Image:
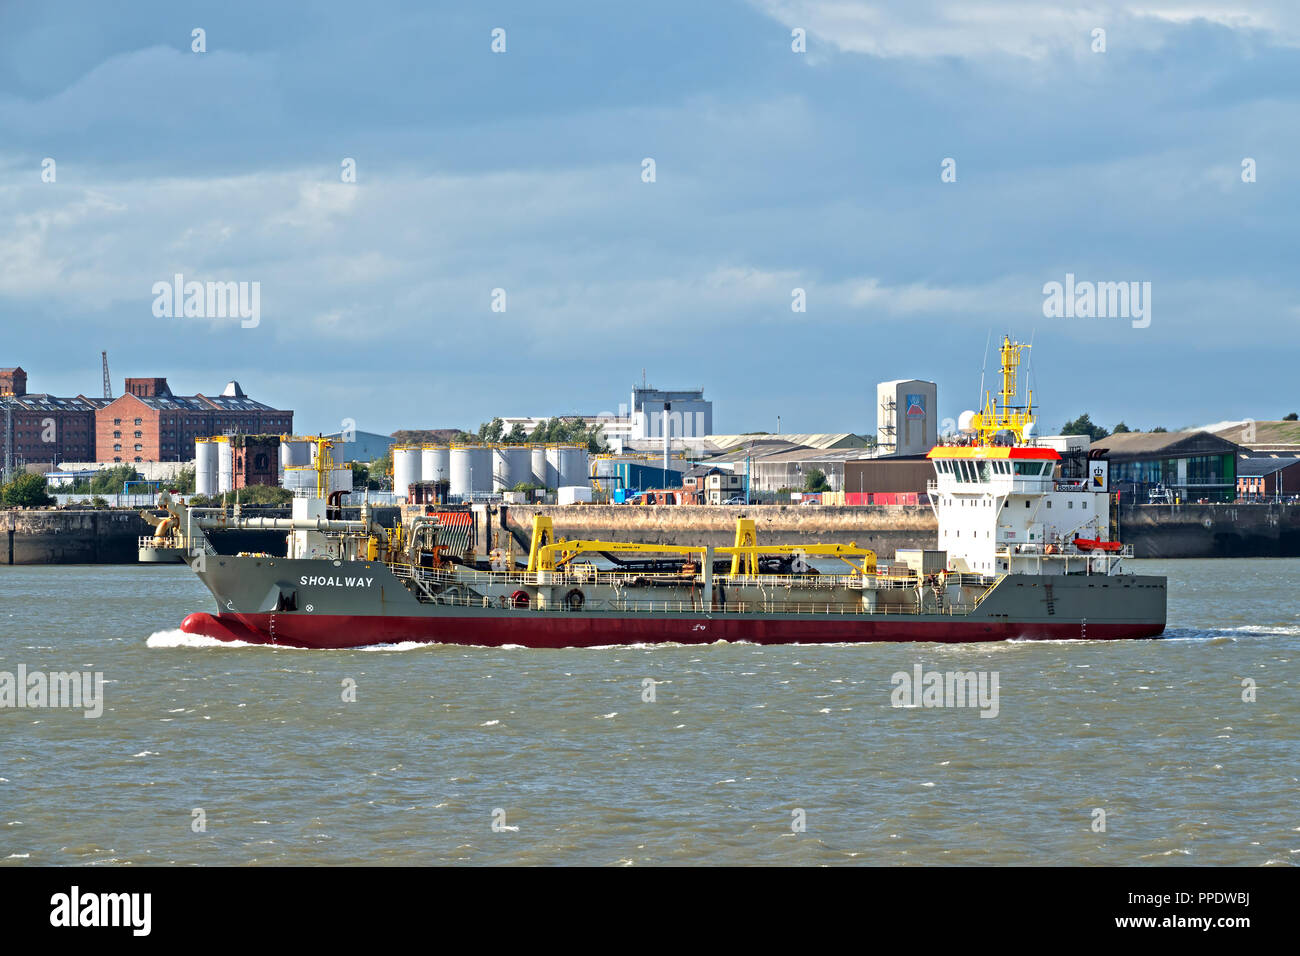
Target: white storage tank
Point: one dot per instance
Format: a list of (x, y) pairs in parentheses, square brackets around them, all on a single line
[(481, 462), (552, 466), (511, 464), (296, 451), (572, 466), (406, 467), (303, 478), (205, 466), (537, 466), (521, 464), (435, 463), (502, 478), (458, 473), (471, 470), (225, 464)]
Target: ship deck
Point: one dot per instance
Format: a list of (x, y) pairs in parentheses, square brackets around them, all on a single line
[(462, 588)]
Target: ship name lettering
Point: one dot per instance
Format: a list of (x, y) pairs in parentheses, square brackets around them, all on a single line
[(329, 581)]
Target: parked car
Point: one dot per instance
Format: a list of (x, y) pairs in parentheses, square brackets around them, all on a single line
[(735, 500)]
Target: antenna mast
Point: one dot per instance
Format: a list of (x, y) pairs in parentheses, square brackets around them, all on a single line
[(108, 383)]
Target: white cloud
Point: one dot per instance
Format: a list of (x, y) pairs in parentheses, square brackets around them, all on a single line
[(1029, 29)]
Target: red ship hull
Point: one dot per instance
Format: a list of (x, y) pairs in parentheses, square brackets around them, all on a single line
[(344, 631)]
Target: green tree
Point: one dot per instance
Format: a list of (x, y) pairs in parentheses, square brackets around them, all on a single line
[(378, 471), (490, 432), (109, 481), (815, 480), (1121, 429), (184, 481), (1159, 428), (25, 491), (1290, 417), (595, 440), (517, 435), (1083, 426), (263, 495)]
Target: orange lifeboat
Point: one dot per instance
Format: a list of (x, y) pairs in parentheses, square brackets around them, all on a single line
[(1091, 544)]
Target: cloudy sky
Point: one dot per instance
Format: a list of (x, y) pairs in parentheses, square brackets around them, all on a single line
[(774, 170)]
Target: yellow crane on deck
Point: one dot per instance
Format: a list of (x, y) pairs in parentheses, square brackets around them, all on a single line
[(548, 554)]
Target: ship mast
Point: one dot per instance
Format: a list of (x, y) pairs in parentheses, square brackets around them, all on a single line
[(1008, 416)]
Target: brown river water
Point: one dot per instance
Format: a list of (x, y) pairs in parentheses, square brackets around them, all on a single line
[(214, 754)]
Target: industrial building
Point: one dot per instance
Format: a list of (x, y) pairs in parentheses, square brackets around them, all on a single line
[(788, 469), (639, 425), (1181, 466), (631, 473), (907, 421), (689, 414), (909, 474), (1268, 476), (44, 428), (147, 423), (361, 446)]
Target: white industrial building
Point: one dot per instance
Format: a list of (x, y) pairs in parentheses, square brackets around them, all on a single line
[(639, 425)]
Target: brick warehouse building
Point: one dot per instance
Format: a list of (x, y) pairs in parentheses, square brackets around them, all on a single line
[(147, 423), (44, 427)]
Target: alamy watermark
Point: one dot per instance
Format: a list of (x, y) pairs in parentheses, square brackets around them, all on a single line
[(73, 690), (1098, 300), (208, 300), (126, 910), (946, 689)]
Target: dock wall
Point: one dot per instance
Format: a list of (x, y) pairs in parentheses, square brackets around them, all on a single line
[(1155, 531)]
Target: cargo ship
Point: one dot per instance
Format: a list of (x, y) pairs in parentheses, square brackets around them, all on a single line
[(1022, 553)]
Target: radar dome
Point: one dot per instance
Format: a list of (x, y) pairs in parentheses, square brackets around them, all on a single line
[(1030, 432), (966, 422)]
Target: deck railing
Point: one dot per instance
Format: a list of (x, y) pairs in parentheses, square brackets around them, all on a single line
[(457, 590)]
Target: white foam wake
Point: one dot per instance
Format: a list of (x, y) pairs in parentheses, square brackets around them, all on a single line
[(178, 638)]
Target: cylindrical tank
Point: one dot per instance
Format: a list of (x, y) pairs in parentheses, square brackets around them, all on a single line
[(511, 465), (435, 463), (572, 465), (521, 464), (481, 463), (406, 467), (296, 451), (471, 470), (552, 466), (502, 477), (458, 470), (225, 464), (205, 467), (303, 477), (537, 465)]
